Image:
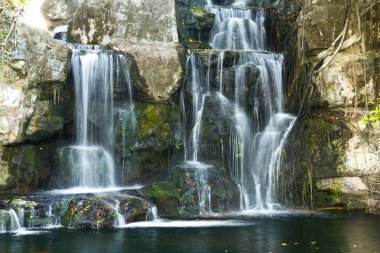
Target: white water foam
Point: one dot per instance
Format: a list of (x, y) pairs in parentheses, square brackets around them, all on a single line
[(83, 190), (161, 223)]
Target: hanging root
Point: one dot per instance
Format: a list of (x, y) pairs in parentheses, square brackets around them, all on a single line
[(328, 55)]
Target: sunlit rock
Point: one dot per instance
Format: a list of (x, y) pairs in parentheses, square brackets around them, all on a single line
[(160, 66), (33, 88)]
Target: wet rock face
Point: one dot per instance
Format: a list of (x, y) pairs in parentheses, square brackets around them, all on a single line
[(73, 211), (30, 213), (145, 139), (165, 195)]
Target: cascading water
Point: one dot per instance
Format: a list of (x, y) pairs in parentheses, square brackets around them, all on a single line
[(14, 221), (238, 29), (240, 3), (120, 221), (95, 71), (253, 106), (152, 214)]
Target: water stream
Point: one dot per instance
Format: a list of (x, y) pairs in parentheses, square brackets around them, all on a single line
[(95, 73), (250, 95)]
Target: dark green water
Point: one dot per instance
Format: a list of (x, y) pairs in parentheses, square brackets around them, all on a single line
[(353, 233)]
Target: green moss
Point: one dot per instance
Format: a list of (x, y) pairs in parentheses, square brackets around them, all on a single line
[(154, 121), (198, 11), (165, 195), (162, 190)]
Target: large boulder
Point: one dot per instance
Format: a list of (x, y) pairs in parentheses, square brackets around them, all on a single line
[(362, 155), (35, 100), (98, 21), (347, 192), (59, 12), (160, 66), (101, 211)]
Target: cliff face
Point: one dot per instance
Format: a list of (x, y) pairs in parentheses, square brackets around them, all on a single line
[(36, 103), (333, 52), (337, 73)]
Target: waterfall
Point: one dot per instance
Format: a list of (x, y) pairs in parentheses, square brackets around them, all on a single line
[(199, 92), (251, 100), (240, 3), (95, 73), (15, 222), (3, 221), (21, 216), (238, 29), (120, 221), (152, 214)]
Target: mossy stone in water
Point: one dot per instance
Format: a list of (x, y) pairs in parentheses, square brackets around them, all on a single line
[(165, 195), (93, 212)]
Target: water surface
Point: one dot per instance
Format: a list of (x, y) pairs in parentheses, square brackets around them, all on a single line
[(300, 233)]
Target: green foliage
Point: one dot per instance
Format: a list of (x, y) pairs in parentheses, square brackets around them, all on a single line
[(198, 11), (373, 118)]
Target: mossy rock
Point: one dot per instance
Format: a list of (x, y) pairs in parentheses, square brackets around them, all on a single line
[(223, 192), (154, 123), (91, 212), (134, 209), (194, 25), (26, 167), (147, 143), (165, 195)]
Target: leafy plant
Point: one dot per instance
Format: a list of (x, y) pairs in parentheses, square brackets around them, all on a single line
[(373, 117)]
